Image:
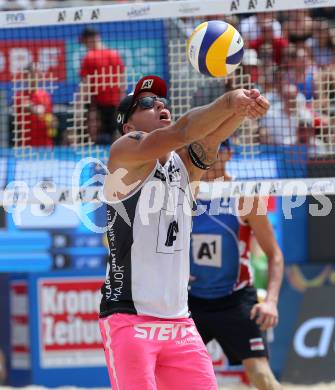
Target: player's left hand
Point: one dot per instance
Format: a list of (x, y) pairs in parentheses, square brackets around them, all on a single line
[(265, 314)]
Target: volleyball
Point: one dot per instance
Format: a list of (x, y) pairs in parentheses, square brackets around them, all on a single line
[(215, 48)]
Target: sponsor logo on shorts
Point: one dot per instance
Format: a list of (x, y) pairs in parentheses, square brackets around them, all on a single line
[(165, 332), (256, 344)]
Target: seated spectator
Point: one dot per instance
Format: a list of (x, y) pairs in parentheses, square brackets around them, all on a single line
[(302, 72), (276, 44), (322, 43), (305, 132), (35, 124), (251, 65), (251, 27), (270, 83), (315, 138), (288, 55), (299, 27), (246, 75), (281, 122)]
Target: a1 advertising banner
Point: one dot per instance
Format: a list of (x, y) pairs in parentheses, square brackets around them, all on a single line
[(68, 322), (306, 311), (312, 354), (19, 319)]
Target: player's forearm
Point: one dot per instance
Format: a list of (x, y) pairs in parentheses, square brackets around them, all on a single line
[(202, 121), (207, 148), (225, 130), (275, 276)]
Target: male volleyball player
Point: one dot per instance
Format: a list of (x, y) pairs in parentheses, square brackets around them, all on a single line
[(222, 299), (150, 342)]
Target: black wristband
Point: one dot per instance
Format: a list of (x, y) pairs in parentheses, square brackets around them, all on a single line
[(195, 159)]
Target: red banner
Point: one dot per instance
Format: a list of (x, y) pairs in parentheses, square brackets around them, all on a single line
[(69, 321), (49, 55)]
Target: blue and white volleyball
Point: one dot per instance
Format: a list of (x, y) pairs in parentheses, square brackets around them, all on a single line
[(215, 48)]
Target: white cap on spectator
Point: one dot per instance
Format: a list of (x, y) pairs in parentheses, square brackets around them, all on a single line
[(250, 57)]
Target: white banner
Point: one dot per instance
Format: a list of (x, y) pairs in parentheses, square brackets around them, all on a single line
[(150, 10)]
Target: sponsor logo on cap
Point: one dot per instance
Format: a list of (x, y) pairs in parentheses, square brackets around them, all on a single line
[(147, 84)]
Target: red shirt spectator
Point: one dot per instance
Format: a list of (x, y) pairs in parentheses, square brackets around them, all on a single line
[(103, 62), (277, 44), (33, 112), (268, 39), (102, 70)]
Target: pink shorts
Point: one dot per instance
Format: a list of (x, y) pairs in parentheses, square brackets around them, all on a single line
[(148, 353)]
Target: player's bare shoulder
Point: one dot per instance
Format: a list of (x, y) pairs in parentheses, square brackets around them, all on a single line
[(123, 147), (131, 138), (123, 167), (124, 153)]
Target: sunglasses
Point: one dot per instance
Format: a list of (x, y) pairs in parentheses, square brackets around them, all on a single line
[(146, 103)]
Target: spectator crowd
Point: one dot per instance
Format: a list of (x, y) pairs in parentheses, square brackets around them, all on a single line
[(289, 56)]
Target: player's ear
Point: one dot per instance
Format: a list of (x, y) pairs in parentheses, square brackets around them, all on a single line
[(128, 127)]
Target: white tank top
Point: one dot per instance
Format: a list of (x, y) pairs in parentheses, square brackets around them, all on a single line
[(148, 267)]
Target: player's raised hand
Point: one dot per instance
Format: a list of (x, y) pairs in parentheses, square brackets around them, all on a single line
[(249, 103)]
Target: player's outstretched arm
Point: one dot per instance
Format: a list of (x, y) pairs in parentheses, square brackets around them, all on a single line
[(205, 150), (141, 148)]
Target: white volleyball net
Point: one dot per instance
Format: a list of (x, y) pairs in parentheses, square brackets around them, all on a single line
[(58, 97)]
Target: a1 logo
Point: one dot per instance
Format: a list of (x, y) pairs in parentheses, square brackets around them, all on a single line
[(147, 84), (207, 249)]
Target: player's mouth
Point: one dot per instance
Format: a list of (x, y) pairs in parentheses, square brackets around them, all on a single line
[(164, 115)]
